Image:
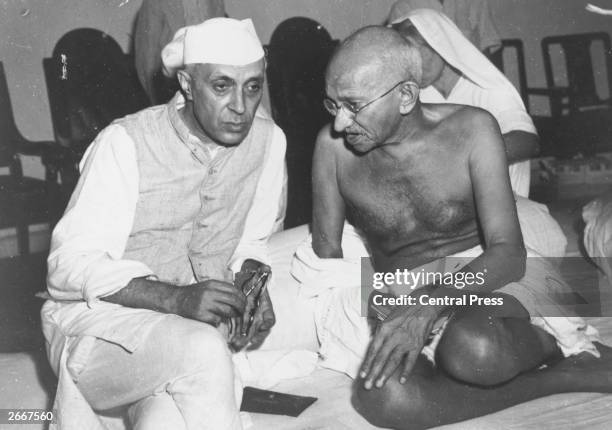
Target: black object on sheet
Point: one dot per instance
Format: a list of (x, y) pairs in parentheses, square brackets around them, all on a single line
[(273, 402)]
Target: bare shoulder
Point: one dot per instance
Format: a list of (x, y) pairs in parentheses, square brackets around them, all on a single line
[(476, 125), (328, 138), (329, 146), (471, 117)]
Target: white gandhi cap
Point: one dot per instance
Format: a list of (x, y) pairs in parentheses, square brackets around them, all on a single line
[(225, 41)]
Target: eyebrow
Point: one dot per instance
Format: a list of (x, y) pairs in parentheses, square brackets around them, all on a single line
[(214, 77), (350, 99)]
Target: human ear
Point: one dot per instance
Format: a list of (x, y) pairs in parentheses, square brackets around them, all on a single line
[(409, 97), (185, 82)]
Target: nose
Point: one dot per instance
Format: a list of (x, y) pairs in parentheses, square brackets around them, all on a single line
[(237, 101), (342, 121)]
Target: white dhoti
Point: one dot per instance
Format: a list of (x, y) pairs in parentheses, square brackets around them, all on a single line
[(344, 333)]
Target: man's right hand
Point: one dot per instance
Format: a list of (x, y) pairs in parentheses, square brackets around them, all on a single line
[(210, 301)]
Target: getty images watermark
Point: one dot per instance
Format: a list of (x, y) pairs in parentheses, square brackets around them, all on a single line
[(548, 286), (412, 279), (404, 278)]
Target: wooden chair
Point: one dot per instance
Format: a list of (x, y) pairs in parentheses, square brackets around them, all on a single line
[(90, 82), (25, 200), (516, 48), (298, 53), (581, 117), (579, 92)]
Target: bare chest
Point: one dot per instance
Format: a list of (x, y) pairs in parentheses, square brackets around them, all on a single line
[(397, 204)]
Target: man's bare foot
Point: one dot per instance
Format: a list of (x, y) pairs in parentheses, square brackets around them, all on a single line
[(587, 373)]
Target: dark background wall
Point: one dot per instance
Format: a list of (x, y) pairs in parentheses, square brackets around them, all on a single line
[(30, 28)]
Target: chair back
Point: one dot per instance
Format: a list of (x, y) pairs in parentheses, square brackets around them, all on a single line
[(9, 134), (515, 48), (90, 82), (298, 53), (579, 52)]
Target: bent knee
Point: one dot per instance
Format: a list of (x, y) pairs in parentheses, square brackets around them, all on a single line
[(477, 350), (200, 343), (394, 405)]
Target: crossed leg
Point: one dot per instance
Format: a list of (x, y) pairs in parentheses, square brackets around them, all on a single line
[(485, 363), (180, 377)]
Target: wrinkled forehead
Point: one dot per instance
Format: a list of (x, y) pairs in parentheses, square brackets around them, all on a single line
[(353, 76), (244, 73)]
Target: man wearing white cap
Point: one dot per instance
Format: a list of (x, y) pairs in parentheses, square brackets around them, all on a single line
[(177, 195)]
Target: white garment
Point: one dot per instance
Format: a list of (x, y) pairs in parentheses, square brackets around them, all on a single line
[(481, 84), (541, 232), (446, 39), (224, 41), (89, 240), (185, 351), (85, 262), (344, 333), (473, 17), (598, 236)]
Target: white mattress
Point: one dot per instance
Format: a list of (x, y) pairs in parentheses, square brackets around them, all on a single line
[(20, 385), (597, 216), (332, 410)]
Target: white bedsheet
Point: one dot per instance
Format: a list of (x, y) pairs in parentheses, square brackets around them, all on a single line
[(598, 244), (333, 411), (22, 387)]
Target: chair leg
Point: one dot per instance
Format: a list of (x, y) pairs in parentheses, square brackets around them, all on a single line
[(23, 239)]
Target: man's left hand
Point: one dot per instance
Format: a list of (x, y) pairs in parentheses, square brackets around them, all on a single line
[(399, 338)]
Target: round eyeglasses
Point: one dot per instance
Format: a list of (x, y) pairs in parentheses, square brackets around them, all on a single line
[(333, 108)]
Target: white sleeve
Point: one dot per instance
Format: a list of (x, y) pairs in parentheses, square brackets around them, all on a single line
[(262, 215), (508, 110), (85, 261)]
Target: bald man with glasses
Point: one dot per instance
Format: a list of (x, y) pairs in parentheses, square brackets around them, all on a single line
[(350, 108), (424, 182)]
